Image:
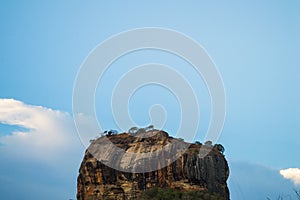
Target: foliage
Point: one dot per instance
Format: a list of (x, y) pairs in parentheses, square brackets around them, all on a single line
[(110, 132), (281, 197), (220, 148), (136, 130), (133, 130), (208, 143), (172, 194), (297, 192)]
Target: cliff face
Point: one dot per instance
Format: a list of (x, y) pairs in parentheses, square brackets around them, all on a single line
[(188, 173)]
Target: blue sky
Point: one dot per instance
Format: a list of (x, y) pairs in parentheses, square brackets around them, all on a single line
[(254, 44)]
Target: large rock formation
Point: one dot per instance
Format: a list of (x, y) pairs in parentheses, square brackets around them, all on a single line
[(189, 172)]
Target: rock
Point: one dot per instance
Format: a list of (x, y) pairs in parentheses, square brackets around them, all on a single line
[(190, 172)]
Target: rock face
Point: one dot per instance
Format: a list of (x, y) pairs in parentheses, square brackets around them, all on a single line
[(189, 172)]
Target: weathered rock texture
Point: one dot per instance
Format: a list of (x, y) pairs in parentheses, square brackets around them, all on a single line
[(188, 173)]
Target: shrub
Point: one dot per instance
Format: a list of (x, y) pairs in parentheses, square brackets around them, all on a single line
[(173, 194)]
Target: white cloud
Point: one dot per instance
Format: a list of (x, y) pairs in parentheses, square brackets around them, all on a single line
[(292, 174), (50, 133)]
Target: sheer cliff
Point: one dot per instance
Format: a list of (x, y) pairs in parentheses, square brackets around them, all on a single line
[(189, 172)]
